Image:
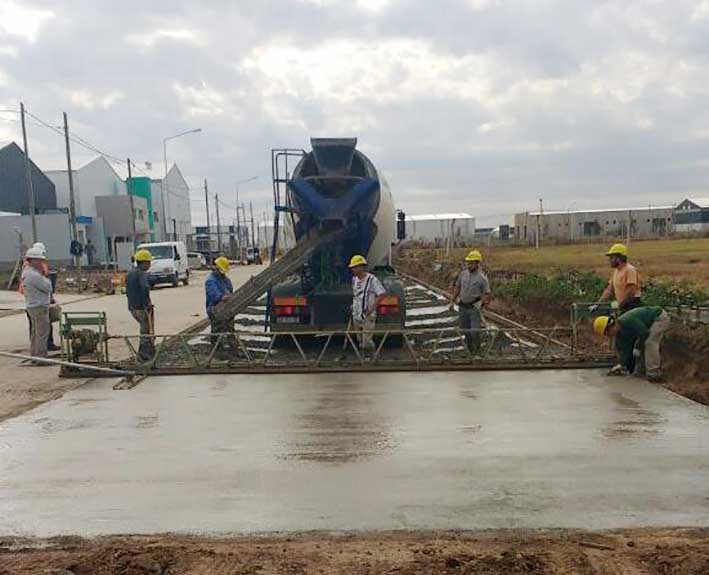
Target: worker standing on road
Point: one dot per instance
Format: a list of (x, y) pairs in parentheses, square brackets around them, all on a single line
[(38, 294), (51, 346), (366, 288), (472, 292), (638, 333), (624, 283), (217, 288), (139, 302)]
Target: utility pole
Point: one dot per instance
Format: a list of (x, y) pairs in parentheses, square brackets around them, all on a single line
[(129, 185), (72, 203), (219, 225), (209, 235), (539, 222), (238, 225), (253, 235), (28, 177)]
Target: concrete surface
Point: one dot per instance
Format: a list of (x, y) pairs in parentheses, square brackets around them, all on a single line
[(23, 387), (368, 451)]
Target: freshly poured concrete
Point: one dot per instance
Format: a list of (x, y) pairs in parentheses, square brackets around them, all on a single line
[(369, 451)]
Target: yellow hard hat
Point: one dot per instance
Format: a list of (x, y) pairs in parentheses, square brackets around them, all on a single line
[(222, 263), (143, 256), (617, 249), (600, 324), (474, 256), (357, 260)]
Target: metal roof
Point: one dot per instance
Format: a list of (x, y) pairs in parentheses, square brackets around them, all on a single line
[(427, 217), (598, 211), (701, 202)]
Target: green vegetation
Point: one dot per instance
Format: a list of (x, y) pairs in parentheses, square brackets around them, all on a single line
[(561, 289)]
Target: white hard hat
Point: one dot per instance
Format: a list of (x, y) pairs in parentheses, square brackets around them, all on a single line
[(35, 253), (40, 246)]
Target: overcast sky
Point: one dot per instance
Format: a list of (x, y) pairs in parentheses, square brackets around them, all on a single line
[(479, 106)]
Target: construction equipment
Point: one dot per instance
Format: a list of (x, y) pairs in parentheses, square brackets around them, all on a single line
[(332, 187), (84, 334)]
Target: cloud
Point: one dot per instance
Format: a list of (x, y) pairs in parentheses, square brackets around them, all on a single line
[(150, 38), (22, 21), (466, 105)]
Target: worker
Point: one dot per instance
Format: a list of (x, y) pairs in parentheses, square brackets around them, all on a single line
[(218, 287), (472, 292), (139, 302), (38, 294), (366, 288), (638, 333), (51, 346), (624, 283)]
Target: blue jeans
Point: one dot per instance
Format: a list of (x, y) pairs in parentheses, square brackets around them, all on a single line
[(470, 319)]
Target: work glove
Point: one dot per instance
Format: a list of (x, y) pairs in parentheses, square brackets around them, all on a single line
[(637, 353), (615, 305), (593, 308), (618, 370)]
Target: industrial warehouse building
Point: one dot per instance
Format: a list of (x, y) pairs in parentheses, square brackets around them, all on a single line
[(692, 215), (644, 222), (438, 228)]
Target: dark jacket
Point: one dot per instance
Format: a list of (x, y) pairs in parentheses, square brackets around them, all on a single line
[(138, 289), (634, 327), (215, 288)]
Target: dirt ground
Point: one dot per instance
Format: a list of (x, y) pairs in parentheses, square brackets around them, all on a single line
[(631, 552)]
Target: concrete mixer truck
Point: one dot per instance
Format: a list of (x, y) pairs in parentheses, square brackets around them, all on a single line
[(334, 193)]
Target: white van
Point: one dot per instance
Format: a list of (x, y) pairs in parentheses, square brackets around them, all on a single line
[(170, 264)]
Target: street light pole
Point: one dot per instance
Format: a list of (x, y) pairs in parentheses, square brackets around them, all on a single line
[(164, 197)]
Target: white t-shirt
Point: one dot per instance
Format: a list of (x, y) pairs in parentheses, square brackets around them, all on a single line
[(364, 295)]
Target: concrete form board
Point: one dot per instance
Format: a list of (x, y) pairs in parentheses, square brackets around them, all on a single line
[(369, 451)]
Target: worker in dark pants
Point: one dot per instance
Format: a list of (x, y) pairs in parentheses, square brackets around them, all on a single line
[(139, 303), (217, 288), (472, 292)]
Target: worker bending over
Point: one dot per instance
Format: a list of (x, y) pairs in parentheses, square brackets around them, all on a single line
[(217, 288), (139, 302), (638, 334), (624, 283), (472, 292), (366, 288), (37, 289)]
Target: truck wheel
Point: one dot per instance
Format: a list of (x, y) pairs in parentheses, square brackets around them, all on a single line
[(186, 281), (175, 280)]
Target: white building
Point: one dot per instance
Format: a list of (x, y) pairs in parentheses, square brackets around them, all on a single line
[(178, 212), (97, 178), (439, 228)]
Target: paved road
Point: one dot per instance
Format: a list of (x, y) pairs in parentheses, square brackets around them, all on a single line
[(24, 387), (347, 451)]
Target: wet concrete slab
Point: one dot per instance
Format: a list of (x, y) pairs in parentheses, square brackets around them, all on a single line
[(245, 453)]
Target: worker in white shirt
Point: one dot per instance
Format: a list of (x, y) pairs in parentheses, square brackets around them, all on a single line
[(366, 288)]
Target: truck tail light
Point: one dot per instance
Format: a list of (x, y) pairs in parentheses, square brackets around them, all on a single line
[(290, 306), (388, 305)]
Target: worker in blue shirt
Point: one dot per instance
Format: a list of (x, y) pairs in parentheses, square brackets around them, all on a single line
[(218, 287)]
